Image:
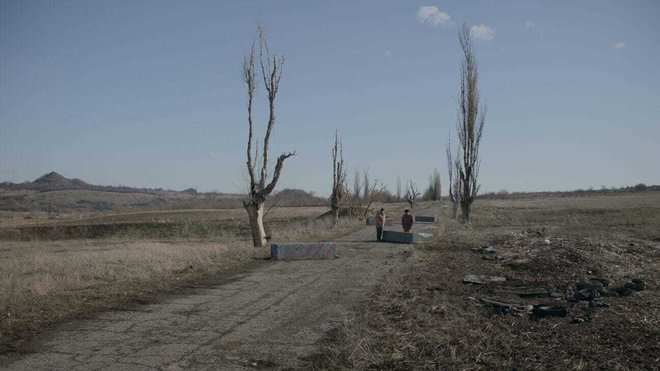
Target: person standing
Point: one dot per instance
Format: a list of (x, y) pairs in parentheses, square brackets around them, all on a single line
[(407, 221), (380, 223)]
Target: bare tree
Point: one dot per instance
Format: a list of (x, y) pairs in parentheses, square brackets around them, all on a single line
[(375, 190), (357, 184), (338, 178), (433, 192), (260, 186), (366, 184), (355, 195), (470, 124), (356, 198), (398, 188), (412, 193), (453, 170)]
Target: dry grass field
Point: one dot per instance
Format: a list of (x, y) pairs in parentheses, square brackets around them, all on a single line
[(205, 223), (577, 254), (67, 269)]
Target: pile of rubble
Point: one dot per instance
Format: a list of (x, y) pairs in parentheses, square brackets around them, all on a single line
[(576, 299)]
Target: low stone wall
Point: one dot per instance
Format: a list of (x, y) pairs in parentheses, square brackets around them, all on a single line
[(303, 251), (398, 237)]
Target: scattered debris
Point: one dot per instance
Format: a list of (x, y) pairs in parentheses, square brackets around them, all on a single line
[(261, 364), (479, 279), (518, 263), (623, 291), (579, 320), (592, 285), (597, 303), (603, 281), (585, 295), (484, 249), (548, 310), (532, 292), (636, 284), (557, 293), (501, 307)]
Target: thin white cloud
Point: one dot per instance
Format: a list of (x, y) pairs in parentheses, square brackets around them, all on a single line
[(619, 45), (530, 24), (432, 15), (482, 32)]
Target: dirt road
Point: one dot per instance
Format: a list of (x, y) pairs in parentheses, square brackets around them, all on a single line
[(268, 317)]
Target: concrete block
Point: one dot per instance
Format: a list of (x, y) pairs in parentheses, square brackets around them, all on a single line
[(424, 219), (397, 237), (371, 221), (300, 251)]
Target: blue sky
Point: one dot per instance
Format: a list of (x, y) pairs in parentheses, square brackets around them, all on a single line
[(149, 93)]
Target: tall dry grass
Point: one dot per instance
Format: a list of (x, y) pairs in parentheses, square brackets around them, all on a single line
[(44, 282)]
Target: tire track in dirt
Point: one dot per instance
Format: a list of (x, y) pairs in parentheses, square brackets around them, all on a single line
[(271, 316)]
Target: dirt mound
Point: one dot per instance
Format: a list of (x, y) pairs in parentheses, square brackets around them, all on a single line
[(54, 180)]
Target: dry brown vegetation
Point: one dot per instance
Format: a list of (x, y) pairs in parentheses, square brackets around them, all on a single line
[(45, 281), (428, 318), (203, 223)]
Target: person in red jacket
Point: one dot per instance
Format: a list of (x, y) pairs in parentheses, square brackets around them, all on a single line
[(407, 221)]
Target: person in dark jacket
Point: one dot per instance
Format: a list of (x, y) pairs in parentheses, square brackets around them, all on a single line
[(380, 223), (407, 221)]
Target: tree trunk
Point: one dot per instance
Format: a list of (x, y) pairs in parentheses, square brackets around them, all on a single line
[(256, 216), (465, 210), (335, 216), (454, 209)]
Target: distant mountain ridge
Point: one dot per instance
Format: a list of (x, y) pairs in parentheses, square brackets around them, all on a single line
[(54, 192), (55, 181)]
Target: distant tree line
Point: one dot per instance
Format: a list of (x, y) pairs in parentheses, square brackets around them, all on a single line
[(504, 194)]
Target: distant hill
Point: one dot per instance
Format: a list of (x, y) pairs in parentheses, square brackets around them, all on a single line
[(298, 197), (54, 192), (55, 181)]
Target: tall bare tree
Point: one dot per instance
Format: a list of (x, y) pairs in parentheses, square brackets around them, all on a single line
[(433, 192), (470, 124), (338, 178), (357, 188), (261, 184), (412, 193), (355, 195), (366, 184), (398, 188), (453, 170)]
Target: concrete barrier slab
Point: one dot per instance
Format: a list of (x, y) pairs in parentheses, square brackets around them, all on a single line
[(397, 237), (424, 219), (371, 221), (302, 251)]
